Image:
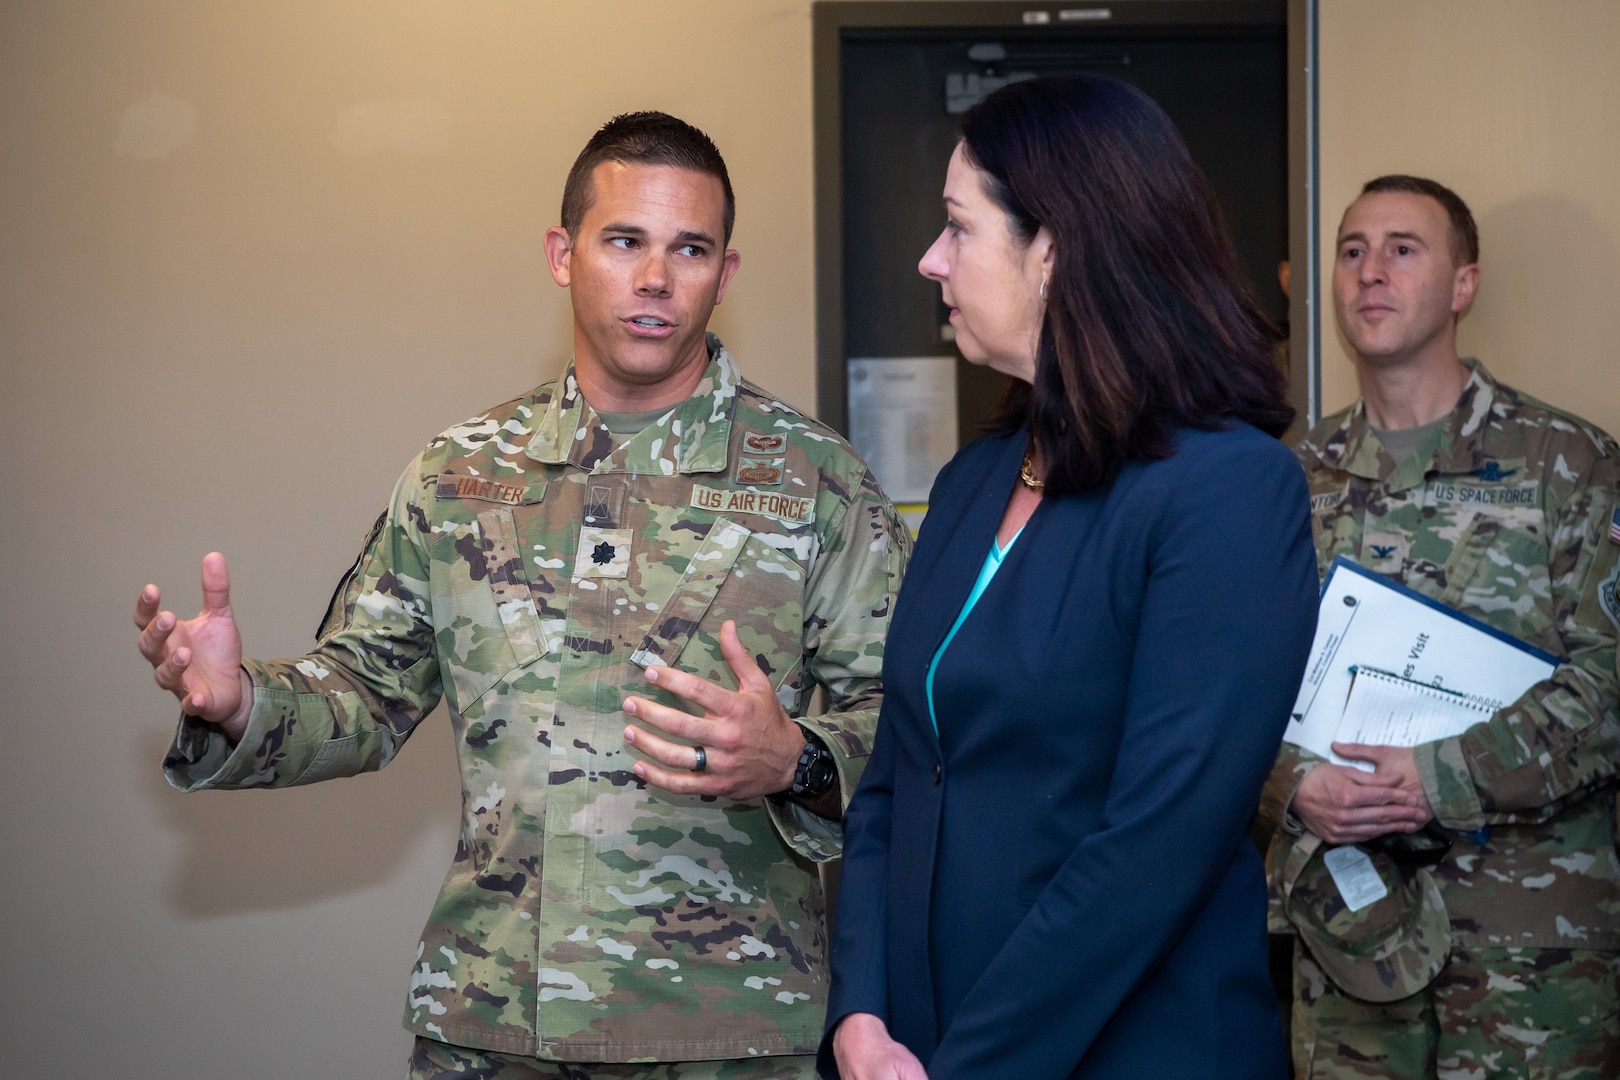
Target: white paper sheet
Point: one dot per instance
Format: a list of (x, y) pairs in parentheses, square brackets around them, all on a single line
[(1366, 619), (902, 419)]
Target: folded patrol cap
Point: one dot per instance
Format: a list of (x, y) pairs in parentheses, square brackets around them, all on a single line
[(1386, 949)]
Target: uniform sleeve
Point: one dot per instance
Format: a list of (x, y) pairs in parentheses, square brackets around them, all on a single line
[(349, 704), (1293, 762), (849, 600), (1561, 739)]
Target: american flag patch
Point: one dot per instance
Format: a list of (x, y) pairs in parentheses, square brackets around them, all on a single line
[(1614, 527)]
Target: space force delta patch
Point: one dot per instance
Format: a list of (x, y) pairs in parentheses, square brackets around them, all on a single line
[(790, 509), (1609, 595)]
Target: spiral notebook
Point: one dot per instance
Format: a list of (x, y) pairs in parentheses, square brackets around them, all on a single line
[(1383, 709)]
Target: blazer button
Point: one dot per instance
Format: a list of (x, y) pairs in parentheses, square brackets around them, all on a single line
[(939, 773)]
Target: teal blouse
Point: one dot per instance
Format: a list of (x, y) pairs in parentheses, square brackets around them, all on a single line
[(992, 563)]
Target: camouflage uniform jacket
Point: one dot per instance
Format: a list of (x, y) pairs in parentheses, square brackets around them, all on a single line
[(531, 569), (1507, 520)]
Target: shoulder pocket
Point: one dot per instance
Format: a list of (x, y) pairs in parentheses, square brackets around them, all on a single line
[(348, 586)]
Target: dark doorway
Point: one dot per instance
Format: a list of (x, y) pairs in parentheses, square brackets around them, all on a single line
[(892, 79)]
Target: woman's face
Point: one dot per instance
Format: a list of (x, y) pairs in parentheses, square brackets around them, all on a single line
[(990, 281)]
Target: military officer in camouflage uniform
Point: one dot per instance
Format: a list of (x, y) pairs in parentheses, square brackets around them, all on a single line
[(1499, 506), (627, 583)]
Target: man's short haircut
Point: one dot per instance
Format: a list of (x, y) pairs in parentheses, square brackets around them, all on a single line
[(1464, 233), (643, 138)]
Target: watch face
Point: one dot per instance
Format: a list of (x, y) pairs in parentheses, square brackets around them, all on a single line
[(822, 774)]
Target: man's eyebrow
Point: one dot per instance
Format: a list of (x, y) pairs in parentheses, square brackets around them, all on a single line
[(624, 228), (1395, 234), (689, 236)]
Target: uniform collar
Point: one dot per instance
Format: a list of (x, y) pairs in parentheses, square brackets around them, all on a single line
[(1352, 447), (694, 438)]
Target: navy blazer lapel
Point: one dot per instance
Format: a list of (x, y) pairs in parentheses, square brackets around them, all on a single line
[(952, 548)]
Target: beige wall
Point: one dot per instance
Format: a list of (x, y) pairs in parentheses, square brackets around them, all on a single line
[(252, 255), (1516, 106)]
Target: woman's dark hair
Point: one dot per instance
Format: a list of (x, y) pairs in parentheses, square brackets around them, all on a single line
[(1149, 324)]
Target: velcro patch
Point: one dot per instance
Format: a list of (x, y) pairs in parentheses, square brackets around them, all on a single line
[(791, 509), (1497, 471), (764, 444), (1528, 494), (1327, 500), (761, 472), (603, 553), (1384, 552), (458, 486), (1609, 595)]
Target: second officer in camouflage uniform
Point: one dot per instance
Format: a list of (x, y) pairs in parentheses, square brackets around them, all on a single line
[(1499, 506), (630, 885)]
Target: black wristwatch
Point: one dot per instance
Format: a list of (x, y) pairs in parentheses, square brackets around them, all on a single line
[(816, 772)]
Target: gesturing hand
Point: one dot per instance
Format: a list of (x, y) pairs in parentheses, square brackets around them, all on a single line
[(750, 743), (199, 660), (1344, 805)]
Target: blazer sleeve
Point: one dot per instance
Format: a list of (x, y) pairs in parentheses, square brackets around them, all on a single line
[(1225, 625), (860, 946)]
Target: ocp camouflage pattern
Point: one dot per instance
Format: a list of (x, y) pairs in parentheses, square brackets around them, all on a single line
[(1504, 516), (1504, 1014), (530, 570)]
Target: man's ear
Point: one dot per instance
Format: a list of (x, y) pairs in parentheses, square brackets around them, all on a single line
[(558, 249), (1463, 288), (728, 270)]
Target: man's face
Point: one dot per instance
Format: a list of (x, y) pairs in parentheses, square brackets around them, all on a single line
[(643, 274), (1396, 290)]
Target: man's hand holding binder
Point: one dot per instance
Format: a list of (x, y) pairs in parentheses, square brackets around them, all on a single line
[(1346, 805)]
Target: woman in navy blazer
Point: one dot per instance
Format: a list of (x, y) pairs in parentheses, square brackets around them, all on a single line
[(1047, 870)]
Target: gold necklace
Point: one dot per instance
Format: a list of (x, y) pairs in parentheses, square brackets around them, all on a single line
[(1026, 472)]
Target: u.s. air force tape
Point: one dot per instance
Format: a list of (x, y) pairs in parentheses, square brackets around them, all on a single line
[(791, 509)]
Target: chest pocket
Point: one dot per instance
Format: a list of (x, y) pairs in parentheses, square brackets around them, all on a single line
[(1499, 572), (485, 622), (733, 574)]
